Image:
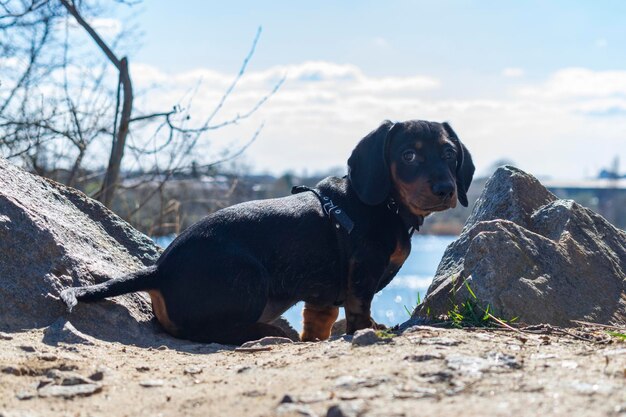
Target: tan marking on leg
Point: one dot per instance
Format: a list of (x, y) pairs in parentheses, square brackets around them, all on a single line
[(160, 311), (318, 322)]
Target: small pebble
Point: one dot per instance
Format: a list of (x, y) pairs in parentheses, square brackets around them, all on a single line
[(365, 337), (242, 368), (24, 395), (423, 358), (69, 391), (97, 376), (44, 382), (286, 399), (352, 383), (48, 357), (586, 388), (13, 370), (27, 348), (151, 383), (254, 393), (440, 341), (346, 409), (67, 378), (5, 336), (192, 370)]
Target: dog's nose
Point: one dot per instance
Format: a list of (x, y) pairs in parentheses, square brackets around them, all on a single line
[(443, 189)]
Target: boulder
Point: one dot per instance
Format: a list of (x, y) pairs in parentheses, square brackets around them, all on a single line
[(52, 237), (527, 254)]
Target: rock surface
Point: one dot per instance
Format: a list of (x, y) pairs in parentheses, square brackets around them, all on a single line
[(267, 341), (530, 255), (51, 237)]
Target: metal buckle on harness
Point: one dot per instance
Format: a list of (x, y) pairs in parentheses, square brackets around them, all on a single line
[(337, 216), (393, 206), (328, 206)]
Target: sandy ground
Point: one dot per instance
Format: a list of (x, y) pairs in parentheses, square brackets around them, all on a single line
[(425, 372)]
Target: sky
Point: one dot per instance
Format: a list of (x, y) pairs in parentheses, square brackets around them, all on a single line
[(542, 84)]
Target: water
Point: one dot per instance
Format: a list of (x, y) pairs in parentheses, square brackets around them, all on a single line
[(391, 304)]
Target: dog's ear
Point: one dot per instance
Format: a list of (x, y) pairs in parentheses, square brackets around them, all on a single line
[(368, 170), (464, 166)]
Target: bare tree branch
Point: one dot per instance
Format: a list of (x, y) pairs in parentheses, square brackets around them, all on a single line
[(65, 108), (94, 35)]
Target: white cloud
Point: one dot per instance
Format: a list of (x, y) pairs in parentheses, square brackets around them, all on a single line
[(578, 82), (513, 72), (324, 108), (411, 282), (309, 78)]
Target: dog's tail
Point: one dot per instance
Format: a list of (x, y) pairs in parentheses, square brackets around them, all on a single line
[(145, 279)]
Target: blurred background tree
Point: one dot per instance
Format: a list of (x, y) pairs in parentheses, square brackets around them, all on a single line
[(67, 102)]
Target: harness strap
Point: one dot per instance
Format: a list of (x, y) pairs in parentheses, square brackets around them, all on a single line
[(340, 220), (336, 215)]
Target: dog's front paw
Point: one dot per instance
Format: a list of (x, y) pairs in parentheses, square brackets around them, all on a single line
[(364, 323), (378, 326)]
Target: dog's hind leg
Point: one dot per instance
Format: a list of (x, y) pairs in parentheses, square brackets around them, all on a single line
[(318, 321), (142, 280)]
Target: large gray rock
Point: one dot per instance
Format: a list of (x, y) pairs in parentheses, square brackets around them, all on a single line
[(530, 255), (51, 237)]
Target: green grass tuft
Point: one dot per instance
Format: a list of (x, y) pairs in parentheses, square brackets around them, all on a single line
[(618, 335), (385, 334), (474, 313), (419, 301)]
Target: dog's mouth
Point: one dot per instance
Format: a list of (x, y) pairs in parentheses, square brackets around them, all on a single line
[(420, 210), (423, 210), (431, 209), (438, 207)]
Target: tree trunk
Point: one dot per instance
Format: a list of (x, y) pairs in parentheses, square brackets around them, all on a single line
[(71, 181), (107, 191), (109, 184)]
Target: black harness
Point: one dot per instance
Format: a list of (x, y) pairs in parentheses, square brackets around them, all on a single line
[(342, 222), (336, 215)]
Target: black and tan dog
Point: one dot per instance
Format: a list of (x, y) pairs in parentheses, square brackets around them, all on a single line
[(227, 277)]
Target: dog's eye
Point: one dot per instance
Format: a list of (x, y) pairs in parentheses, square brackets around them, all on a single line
[(449, 154), (409, 156)]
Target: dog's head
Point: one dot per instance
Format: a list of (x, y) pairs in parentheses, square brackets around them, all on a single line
[(423, 165)]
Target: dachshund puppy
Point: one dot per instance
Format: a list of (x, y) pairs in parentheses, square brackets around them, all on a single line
[(227, 277)]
